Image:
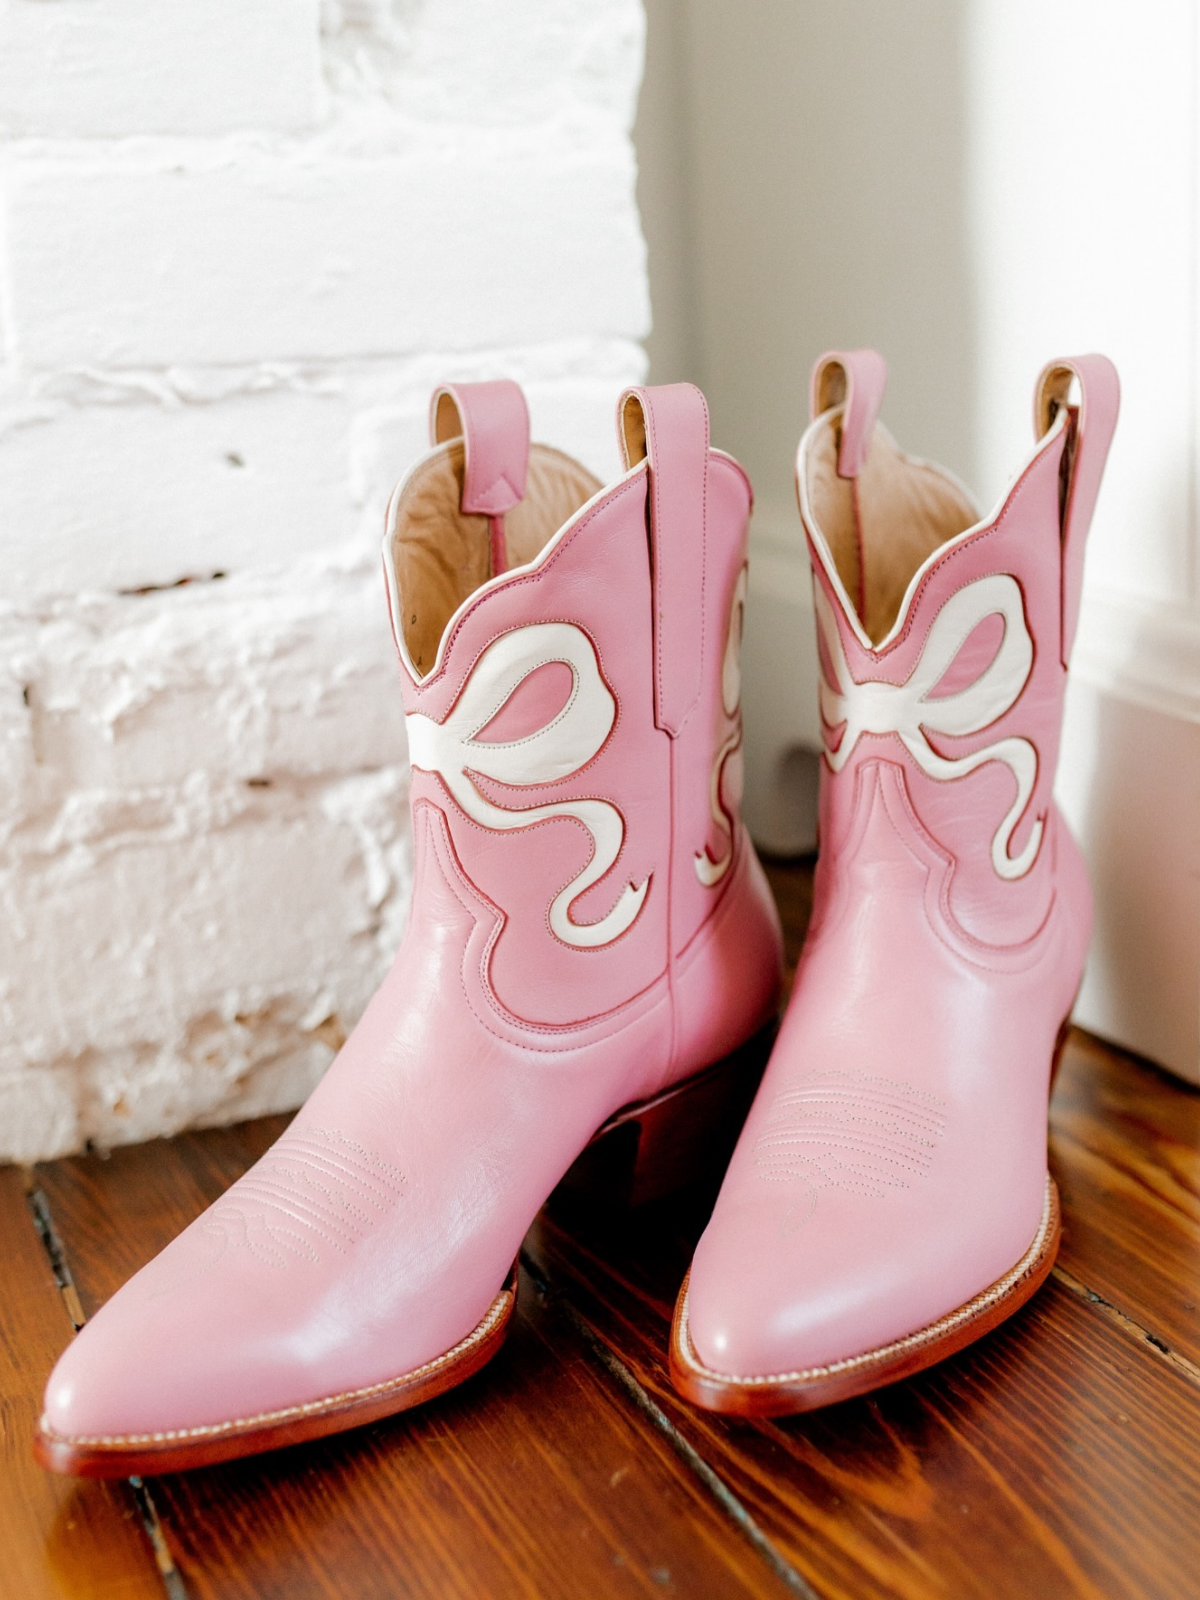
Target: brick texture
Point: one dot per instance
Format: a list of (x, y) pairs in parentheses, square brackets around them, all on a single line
[(236, 251), (122, 67)]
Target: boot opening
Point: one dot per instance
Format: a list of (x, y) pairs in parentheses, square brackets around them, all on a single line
[(880, 526), (439, 555)]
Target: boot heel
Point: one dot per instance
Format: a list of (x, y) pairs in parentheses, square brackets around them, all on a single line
[(651, 1148)]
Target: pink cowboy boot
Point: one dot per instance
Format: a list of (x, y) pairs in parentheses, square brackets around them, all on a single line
[(591, 939), (888, 1200)]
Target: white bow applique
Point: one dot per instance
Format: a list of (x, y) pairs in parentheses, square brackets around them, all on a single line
[(909, 709), (566, 743)]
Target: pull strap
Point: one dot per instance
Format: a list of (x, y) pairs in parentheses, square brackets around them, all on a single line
[(1090, 427), (492, 420), (856, 378), (668, 423)]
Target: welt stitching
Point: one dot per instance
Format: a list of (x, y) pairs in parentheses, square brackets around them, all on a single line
[(964, 1314), (307, 1407)]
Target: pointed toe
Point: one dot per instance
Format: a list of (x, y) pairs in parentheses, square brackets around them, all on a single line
[(591, 952)]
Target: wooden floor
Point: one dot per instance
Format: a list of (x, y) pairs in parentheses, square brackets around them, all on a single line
[(1059, 1456)]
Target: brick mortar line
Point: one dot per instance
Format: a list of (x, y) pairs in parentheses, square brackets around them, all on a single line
[(43, 1222), (729, 1503), (1133, 1329)]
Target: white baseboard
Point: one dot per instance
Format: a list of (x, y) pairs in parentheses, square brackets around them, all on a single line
[(1129, 783), (1144, 652)]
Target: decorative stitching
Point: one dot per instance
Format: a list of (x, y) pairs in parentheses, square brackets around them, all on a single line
[(324, 1193), (814, 1114)]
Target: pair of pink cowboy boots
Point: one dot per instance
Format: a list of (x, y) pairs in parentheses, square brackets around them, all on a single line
[(592, 942)]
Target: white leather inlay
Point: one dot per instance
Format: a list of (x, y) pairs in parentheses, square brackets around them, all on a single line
[(909, 709), (708, 871), (565, 744)]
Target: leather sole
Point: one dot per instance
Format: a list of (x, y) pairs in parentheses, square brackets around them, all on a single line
[(124, 1456), (807, 1389)]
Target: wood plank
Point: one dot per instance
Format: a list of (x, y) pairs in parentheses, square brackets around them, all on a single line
[(538, 1477), (57, 1537), (1054, 1458), (1125, 1149)]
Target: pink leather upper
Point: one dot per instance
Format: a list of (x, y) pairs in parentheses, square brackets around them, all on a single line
[(855, 379), (493, 421), (676, 429), (1091, 428), (376, 1233), (894, 1162)]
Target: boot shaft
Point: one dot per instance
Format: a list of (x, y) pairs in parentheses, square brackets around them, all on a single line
[(569, 674), (944, 635)]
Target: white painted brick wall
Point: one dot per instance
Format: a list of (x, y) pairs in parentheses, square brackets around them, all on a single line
[(237, 249), (143, 260), (120, 67)]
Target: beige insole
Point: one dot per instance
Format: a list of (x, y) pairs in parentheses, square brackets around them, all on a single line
[(880, 527), (441, 555)]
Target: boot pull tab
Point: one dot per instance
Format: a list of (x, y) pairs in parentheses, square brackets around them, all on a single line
[(1090, 428), (857, 378), (492, 420), (667, 424)]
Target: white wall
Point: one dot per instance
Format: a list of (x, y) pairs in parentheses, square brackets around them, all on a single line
[(237, 247), (973, 186), (823, 203), (1086, 235)]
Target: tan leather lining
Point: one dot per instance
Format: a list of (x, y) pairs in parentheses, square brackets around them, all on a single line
[(830, 386), (441, 555), (882, 525), (447, 424), (633, 430)]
